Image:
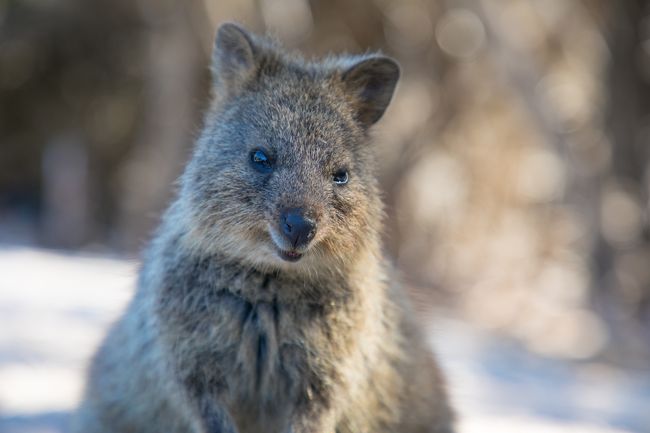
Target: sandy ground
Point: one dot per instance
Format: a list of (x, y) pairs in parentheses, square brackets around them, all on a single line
[(54, 308)]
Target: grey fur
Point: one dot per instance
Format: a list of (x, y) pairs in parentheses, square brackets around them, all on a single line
[(224, 336)]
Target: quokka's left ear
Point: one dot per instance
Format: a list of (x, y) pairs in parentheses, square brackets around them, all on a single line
[(371, 83), (234, 58)]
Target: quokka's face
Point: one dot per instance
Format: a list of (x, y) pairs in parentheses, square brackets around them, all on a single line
[(283, 172)]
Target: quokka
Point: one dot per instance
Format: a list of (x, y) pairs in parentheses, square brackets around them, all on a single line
[(263, 303)]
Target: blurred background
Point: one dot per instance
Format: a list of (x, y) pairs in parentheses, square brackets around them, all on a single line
[(515, 161)]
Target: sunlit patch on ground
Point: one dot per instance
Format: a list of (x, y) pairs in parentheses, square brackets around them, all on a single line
[(54, 308)]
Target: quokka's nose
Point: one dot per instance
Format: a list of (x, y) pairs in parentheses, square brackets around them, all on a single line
[(297, 227)]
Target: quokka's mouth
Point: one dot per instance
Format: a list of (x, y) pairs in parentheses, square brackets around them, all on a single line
[(289, 256)]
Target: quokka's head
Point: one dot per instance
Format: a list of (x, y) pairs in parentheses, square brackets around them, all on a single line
[(283, 171)]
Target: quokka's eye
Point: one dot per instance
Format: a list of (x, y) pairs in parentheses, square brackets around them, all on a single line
[(340, 177), (261, 161)]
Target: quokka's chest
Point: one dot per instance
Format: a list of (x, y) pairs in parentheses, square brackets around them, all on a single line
[(261, 353)]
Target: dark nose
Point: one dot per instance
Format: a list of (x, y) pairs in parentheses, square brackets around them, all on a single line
[(297, 227)]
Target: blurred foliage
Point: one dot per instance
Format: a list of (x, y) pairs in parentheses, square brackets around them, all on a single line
[(515, 156)]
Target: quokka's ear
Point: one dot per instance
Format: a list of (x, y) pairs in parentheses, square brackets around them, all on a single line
[(233, 57), (371, 82)]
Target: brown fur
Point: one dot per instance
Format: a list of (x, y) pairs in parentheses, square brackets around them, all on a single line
[(225, 336)]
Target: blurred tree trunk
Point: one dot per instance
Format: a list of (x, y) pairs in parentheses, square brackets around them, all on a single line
[(622, 253), (176, 67)]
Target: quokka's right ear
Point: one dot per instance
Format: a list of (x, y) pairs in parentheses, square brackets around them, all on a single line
[(371, 81), (233, 58)]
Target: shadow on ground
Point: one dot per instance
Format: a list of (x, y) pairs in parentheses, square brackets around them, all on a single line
[(47, 422)]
